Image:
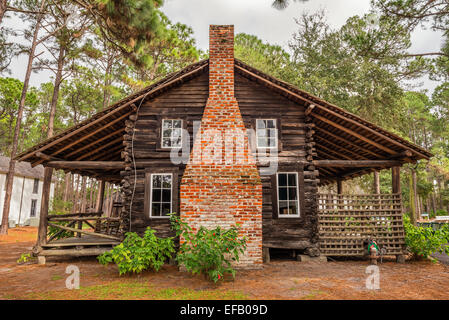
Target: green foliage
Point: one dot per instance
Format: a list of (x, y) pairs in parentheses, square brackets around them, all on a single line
[(423, 241), (136, 254), (208, 252), (24, 258)]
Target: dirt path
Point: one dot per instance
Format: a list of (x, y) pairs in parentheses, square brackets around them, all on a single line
[(278, 280)]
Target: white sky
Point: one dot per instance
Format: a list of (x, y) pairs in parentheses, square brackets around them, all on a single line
[(256, 17)]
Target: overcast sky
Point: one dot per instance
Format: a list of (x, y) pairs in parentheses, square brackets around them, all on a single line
[(257, 17)]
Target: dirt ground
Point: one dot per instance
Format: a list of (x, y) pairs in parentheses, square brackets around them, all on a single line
[(280, 279)]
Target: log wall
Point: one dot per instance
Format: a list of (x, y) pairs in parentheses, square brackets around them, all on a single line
[(255, 101)]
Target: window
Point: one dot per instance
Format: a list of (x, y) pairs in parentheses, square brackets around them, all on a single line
[(161, 194), (33, 208), (287, 194), (171, 133), (266, 133), (36, 186)]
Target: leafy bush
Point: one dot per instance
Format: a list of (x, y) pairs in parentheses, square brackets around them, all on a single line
[(423, 241), (136, 254), (208, 252), (441, 212)]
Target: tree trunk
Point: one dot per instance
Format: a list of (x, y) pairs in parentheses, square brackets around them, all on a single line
[(2, 9), (48, 172), (15, 143), (376, 182), (76, 191), (67, 187), (83, 194)]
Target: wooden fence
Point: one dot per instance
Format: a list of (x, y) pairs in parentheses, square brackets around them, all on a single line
[(346, 222)]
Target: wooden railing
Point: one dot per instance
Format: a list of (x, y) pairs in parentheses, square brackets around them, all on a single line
[(103, 227), (347, 222)]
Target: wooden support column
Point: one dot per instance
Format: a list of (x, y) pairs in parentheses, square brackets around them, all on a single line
[(396, 188), (339, 186), (396, 179), (100, 197), (43, 222), (376, 183)]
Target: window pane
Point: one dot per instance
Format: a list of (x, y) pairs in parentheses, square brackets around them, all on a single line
[(283, 207), (176, 142), (282, 179), (261, 142), (166, 142), (156, 197), (260, 124), (262, 133), (167, 133), (292, 179), (156, 209), (166, 181), (165, 209), (166, 124), (283, 194), (177, 124), (271, 124), (292, 193), (272, 142), (271, 133), (156, 181), (166, 195), (176, 132), (293, 207)]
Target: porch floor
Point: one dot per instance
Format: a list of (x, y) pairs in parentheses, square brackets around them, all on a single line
[(84, 240)]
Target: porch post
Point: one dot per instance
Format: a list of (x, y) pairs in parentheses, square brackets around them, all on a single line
[(339, 186), (100, 197), (376, 183), (396, 179), (396, 188), (43, 215)]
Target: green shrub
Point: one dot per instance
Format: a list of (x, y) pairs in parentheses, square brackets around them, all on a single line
[(136, 253), (423, 241), (208, 252), (441, 212)]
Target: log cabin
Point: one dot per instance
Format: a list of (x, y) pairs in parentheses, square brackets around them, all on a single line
[(156, 144)]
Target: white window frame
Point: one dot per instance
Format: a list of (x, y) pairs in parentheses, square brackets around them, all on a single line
[(34, 185), (151, 194), (171, 136), (297, 196), (275, 138)]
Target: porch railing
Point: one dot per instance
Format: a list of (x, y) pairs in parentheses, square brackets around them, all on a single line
[(346, 222), (84, 223)]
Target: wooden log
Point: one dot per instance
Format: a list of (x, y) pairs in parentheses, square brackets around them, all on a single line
[(43, 221), (356, 163), (85, 232), (396, 179), (101, 165), (74, 252)]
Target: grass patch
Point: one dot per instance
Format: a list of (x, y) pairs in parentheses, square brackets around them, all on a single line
[(136, 290)]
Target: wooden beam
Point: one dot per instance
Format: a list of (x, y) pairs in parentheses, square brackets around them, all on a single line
[(339, 186), (356, 163), (43, 221), (355, 134), (350, 143), (356, 155), (396, 179), (376, 182), (309, 109), (100, 197), (100, 165), (96, 150), (96, 142), (84, 231)]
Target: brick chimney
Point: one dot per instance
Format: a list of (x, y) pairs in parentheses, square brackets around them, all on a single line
[(221, 184)]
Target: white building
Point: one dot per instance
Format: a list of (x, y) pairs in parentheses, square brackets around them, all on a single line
[(26, 192)]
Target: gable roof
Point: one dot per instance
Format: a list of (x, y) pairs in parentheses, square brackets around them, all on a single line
[(101, 136), (23, 169)]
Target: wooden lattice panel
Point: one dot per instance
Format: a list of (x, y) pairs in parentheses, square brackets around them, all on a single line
[(346, 221)]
